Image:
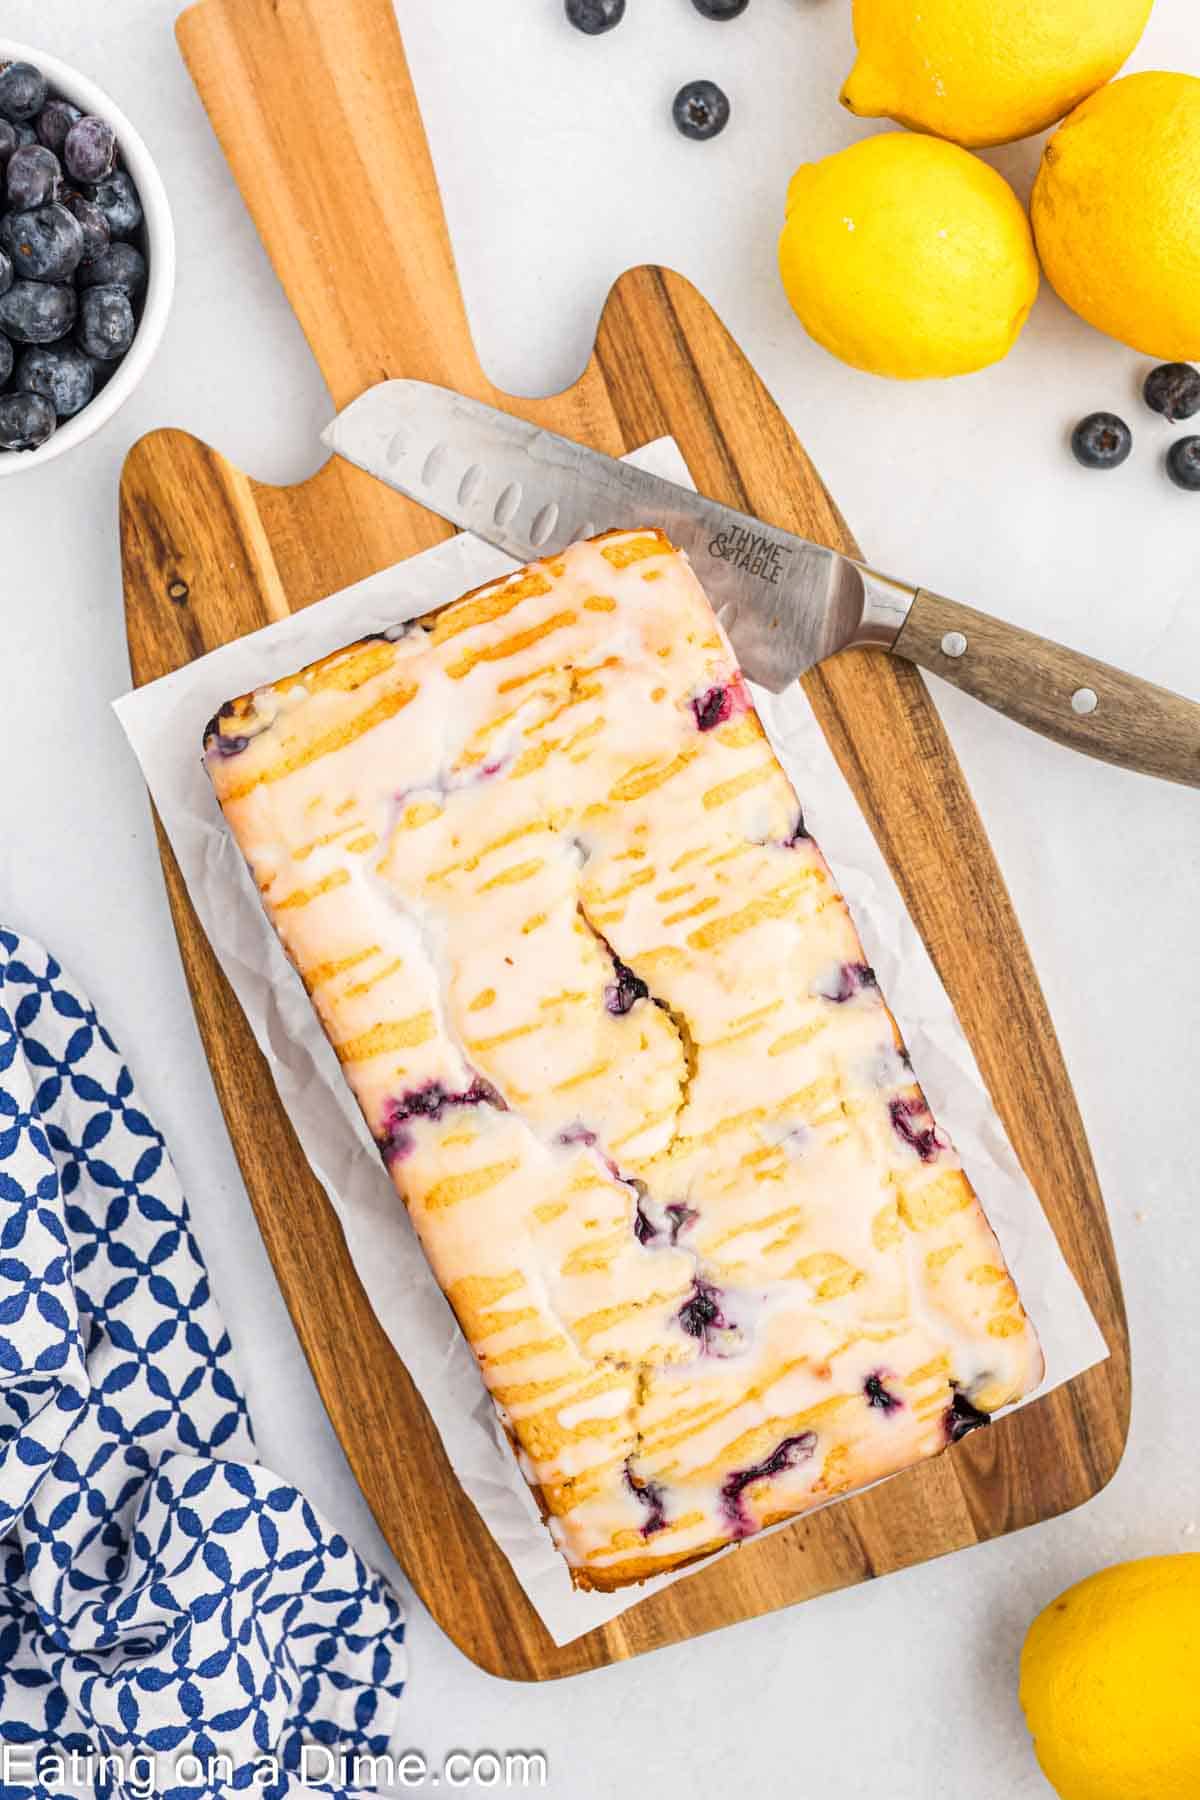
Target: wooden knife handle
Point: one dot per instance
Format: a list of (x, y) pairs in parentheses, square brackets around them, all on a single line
[(1071, 698)]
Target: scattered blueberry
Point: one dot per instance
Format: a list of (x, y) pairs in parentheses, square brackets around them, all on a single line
[(789, 1455), (96, 240), (22, 91), (8, 141), (106, 322), (26, 421), (118, 200), (624, 993), (37, 312), (45, 245), (59, 372), (6, 359), (962, 1417), (54, 122), (1183, 464), (90, 152), (34, 177), (1102, 441), (701, 110), (1173, 390), (721, 9), (6, 271), (595, 16)]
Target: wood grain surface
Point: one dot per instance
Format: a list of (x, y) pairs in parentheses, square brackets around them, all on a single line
[(210, 554)]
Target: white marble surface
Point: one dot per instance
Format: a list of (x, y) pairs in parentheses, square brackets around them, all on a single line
[(559, 170)]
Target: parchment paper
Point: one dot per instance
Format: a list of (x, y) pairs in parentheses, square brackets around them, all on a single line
[(165, 722)]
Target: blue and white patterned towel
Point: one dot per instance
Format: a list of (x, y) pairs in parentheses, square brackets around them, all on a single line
[(162, 1593)]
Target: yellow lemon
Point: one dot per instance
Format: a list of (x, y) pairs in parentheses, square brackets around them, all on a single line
[(908, 257), (1110, 1683), (986, 71), (1116, 209)]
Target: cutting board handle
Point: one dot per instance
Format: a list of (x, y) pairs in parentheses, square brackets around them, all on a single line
[(312, 101)]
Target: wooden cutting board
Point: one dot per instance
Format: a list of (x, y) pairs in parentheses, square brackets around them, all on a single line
[(313, 105)]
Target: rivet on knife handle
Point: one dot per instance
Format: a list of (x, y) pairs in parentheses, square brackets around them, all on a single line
[(1058, 692)]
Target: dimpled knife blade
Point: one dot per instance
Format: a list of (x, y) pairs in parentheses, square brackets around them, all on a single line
[(785, 603)]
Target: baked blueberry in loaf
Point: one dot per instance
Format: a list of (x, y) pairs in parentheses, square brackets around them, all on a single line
[(612, 1027)]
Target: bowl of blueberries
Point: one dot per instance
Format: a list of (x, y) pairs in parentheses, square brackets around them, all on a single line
[(87, 258)]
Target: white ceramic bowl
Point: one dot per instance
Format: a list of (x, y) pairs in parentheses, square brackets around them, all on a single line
[(157, 243)]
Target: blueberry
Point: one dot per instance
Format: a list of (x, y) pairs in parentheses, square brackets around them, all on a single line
[(26, 420), (96, 235), (37, 312), (6, 271), (644, 1228), (701, 110), (595, 16), (788, 1455), (33, 178), (90, 152), (54, 122), (61, 374), (713, 708), (1183, 464), (106, 322), (923, 1139), (6, 359), (879, 1396), (8, 141), (118, 200), (45, 245), (850, 979), (701, 1312), (23, 91), (624, 993), (1102, 441), (428, 1102), (652, 1495), (721, 9), (681, 1216), (119, 266), (1173, 390), (961, 1417)]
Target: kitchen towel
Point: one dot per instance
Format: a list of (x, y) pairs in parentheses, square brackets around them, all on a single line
[(163, 1595)]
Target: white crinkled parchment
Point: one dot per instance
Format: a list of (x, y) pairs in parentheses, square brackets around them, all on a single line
[(165, 722)]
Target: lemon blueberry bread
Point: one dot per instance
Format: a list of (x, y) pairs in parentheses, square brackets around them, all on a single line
[(612, 1027)]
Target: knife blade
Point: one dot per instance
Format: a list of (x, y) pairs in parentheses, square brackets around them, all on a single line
[(785, 603)]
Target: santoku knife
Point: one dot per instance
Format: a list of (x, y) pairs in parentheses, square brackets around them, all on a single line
[(786, 603)]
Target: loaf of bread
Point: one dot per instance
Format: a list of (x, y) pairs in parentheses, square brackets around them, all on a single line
[(611, 1025)]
